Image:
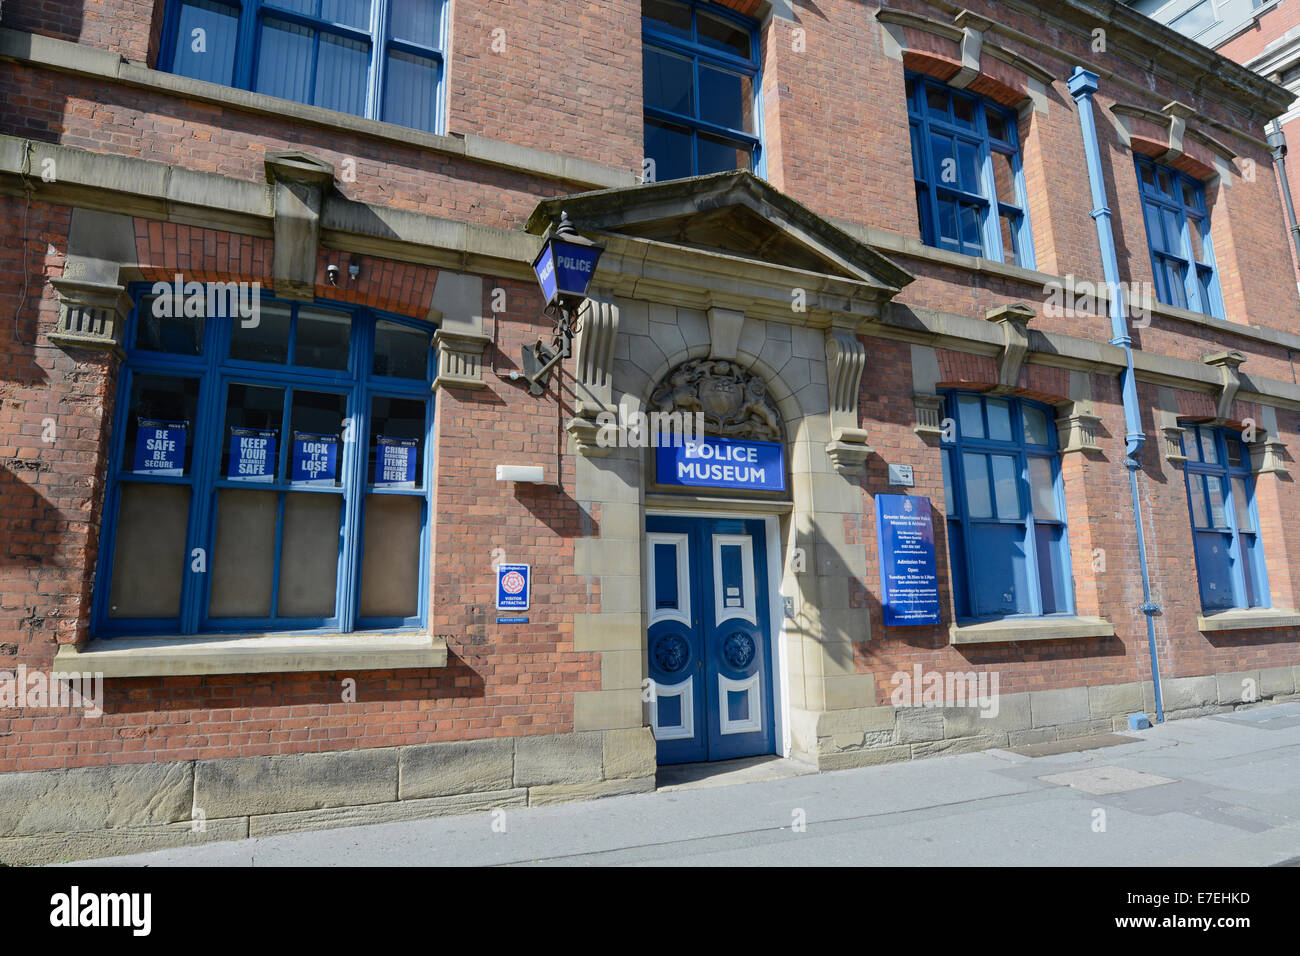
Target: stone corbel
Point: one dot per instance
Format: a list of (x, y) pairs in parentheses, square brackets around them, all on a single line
[(929, 414), (1229, 381), (593, 384), (846, 357), (1266, 457), (972, 42), (1171, 436), (300, 182), (460, 357), (1177, 113), (1076, 428), (92, 315), (1014, 320)]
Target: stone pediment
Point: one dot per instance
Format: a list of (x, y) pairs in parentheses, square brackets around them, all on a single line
[(733, 213)]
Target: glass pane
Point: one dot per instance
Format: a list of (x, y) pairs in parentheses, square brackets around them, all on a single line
[(342, 73), (309, 557), (968, 168), (162, 326), (918, 160), (1198, 248), (1209, 449), (723, 35), (284, 60), (727, 99), (1042, 488), (963, 111), (972, 236), (1006, 486), (243, 553), (1196, 494), (1234, 451), (1173, 233), (1155, 236), (668, 16), (997, 123), (999, 413), (400, 351), (1189, 195), (149, 551), (1196, 20), (944, 160), (979, 502), (322, 338), (316, 424), (667, 81), (268, 341), (355, 13), (411, 92), (948, 222), (1241, 505), (1000, 576), (665, 558), (1214, 568), (159, 424), (390, 558), (970, 420), (254, 415), (1251, 561), (1218, 517), (1174, 282), (721, 155), (205, 41), (416, 20), (950, 502), (1036, 432), (936, 100), (1052, 584), (1004, 178), (396, 442), (1148, 175), (669, 150)]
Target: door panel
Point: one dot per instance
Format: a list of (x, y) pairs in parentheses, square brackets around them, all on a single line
[(709, 643)]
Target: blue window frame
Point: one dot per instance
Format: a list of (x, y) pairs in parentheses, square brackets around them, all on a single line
[(376, 58), (1225, 528), (970, 187), (289, 482), (1178, 234), (701, 85), (1007, 537)]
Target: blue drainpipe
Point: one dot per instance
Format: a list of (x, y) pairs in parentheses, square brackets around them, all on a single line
[(1083, 84)]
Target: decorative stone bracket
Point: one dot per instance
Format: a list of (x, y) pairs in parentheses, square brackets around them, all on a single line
[(1229, 381), (92, 315), (593, 374), (929, 414), (1076, 428), (460, 358), (1014, 320), (846, 357), (1171, 436), (300, 182), (1266, 456)]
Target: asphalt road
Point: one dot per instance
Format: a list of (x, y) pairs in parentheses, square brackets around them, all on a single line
[(1221, 790)]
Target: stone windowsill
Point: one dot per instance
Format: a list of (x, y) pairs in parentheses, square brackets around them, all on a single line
[(252, 654), (1015, 630), (1248, 619)]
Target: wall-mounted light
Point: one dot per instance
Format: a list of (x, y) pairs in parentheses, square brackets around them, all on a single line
[(564, 268)]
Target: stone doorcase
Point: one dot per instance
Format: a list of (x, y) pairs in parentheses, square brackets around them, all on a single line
[(730, 271)]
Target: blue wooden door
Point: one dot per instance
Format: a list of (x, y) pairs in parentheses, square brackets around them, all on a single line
[(710, 650)]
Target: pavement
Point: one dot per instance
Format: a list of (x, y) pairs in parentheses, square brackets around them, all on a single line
[(1208, 791)]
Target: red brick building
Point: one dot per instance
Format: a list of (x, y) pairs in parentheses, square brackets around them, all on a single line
[(268, 281)]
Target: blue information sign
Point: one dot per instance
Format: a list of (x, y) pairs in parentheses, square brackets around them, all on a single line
[(315, 458), (252, 454), (564, 267), (905, 539), (395, 462), (160, 447), (723, 463), (513, 582)]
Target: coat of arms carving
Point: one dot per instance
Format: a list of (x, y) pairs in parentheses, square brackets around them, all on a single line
[(734, 402)]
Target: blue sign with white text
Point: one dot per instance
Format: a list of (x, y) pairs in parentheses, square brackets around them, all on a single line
[(905, 540), (395, 462), (728, 463), (252, 454), (564, 267), (512, 587), (160, 447), (315, 458)]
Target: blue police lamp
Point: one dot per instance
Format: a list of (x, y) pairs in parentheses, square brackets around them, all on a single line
[(564, 268)]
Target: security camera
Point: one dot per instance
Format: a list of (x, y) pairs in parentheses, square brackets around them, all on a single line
[(354, 270), (333, 272)]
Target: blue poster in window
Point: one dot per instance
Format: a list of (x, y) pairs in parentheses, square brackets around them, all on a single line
[(252, 454), (512, 587), (160, 447), (315, 458), (909, 585), (395, 462), (723, 463)]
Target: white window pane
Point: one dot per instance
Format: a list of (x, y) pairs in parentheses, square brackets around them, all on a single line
[(1218, 516), (999, 419), (390, 562), (979, 503), (243, 553), (1042, 488), (1036, 432), (970, 419), (309, 554), (1005, 482), (1241, 505)]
